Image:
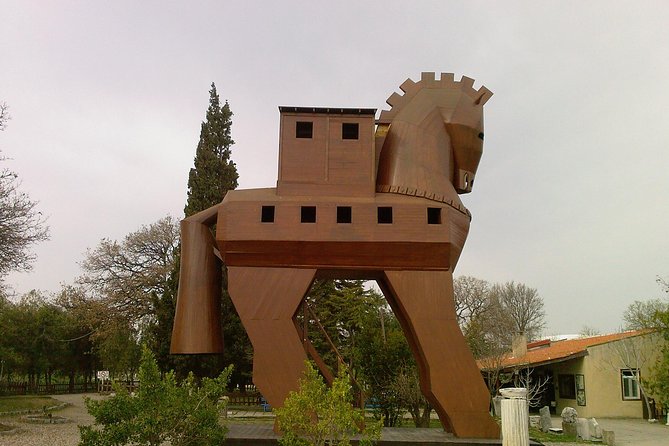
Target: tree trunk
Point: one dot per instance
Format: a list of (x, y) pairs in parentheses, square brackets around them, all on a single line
[(425, 417), (644, 396)]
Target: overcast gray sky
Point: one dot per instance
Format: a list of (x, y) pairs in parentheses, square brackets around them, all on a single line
[(571, 195)]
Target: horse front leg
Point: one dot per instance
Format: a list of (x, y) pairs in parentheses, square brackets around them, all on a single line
[(449, 376), (197, 319), (266, 300)]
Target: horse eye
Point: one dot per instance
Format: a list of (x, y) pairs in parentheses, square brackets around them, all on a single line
[(481, 136)]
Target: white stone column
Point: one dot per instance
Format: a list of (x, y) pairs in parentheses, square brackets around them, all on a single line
[(515, 417)]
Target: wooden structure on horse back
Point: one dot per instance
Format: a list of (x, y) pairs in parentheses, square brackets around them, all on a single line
[(355, 198)]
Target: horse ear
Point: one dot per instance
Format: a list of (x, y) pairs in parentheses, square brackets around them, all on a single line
[(483, 95)]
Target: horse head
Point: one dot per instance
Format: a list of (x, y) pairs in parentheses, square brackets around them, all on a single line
[(431, 140)]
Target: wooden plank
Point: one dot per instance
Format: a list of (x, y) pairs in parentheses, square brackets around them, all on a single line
[(344, 255)]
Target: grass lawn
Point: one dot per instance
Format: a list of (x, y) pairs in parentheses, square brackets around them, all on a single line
[(245, 408), (538, 435), (12, 403)]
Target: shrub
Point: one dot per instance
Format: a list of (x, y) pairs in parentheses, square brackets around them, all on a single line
[(162, 410), (317, 415)]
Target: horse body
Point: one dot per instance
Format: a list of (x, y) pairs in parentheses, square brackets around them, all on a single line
[(382, 205)]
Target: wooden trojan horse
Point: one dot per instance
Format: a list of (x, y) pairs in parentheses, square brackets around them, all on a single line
[(355, 198)]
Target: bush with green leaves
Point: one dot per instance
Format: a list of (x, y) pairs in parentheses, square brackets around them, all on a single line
[(319, 415), (162, 410)]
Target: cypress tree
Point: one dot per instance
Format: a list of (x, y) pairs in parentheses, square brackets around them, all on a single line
[(212, 176), (214, 173)]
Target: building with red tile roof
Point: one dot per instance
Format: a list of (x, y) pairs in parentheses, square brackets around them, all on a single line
[(596, 375)]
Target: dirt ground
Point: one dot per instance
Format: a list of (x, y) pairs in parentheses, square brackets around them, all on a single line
[(66, 434)]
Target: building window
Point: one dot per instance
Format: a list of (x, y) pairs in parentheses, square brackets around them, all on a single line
[(267, 214), (630, 385), (385, 214), (433, 216), (349, 130), (308, 214), (343, 214), (304, 129), (567, 386)]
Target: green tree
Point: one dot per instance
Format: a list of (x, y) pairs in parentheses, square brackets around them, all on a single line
[(212, 176), (356, 322), (214, 173), (161, 411), (76, 357), (654, 314), (40, 340), (342, 310), (317, 415), (383, 355)]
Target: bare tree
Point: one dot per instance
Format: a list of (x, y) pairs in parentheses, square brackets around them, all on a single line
[(664, 283), (634, 353), (643, 314), (588, 331), (492, 364), (4, 115), (21, 225), (407, 387), (475, 311), (471, 298), (126, 276), (535, 387), (522, 305)]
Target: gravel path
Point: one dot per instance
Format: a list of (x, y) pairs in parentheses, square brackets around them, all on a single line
[(66, 434), (628, 432)]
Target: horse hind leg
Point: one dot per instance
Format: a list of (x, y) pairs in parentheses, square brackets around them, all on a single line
[(266, 300), (450, 379)]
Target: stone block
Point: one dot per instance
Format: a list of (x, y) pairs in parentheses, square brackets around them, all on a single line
[(569, 429), (535, 421), (545, 423), (595, 428), (609, 437), (583, 428), (497, 405), (569, 415)]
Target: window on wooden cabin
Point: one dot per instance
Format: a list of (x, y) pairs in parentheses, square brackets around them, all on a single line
[(385, 214), (349, 130), (433, 216), (308, 214), (344, 214), (267, 214), (304, 129)]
